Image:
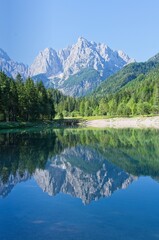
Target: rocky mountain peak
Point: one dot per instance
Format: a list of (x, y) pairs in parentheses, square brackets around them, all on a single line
[(82, 42), (12, 68), (4, 55), (83, 54), (47, 62), (48, 52), (57, 67)]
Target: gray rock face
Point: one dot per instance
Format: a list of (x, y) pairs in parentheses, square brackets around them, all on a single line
[(12, 68), (47, 62), (83, 54), (61, 176), (54, 68)]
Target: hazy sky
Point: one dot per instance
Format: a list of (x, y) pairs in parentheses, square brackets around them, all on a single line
[(28, 26)]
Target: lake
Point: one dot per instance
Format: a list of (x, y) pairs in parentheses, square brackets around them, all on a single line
[(76, 184)]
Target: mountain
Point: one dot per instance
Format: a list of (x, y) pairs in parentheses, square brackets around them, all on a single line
[(127, 74), (82, 55), (12, 68), (68, 69)]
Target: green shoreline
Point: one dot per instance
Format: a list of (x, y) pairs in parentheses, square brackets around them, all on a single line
[(89, 122), (55, 123)]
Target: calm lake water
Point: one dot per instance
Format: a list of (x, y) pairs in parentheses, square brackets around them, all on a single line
[(79, 184)]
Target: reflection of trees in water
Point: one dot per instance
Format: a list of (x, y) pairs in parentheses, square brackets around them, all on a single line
[(24, 151), (135, 151)]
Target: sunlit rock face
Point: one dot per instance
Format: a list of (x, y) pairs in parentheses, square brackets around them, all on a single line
[(91, 179), (83, 54), (12, 68), (55, 68), (47, 62)]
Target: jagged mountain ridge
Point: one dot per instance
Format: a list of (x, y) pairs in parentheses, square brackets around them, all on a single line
[(54, 68), (81, 55), (12, 68), (62, 66)]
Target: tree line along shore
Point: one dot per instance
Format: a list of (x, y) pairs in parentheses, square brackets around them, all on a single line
[(27, 101)]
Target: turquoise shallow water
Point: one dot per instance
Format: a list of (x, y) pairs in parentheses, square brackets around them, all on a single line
[(78, 184)]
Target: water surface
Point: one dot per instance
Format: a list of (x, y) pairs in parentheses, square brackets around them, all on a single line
[(79, 184)]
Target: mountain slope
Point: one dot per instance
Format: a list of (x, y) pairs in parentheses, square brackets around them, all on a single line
[(82, 83), (12, 68), (124, 76), (154, 58), (138, 97)]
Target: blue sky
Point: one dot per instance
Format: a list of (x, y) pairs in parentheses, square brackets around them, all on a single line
[(28, 26)]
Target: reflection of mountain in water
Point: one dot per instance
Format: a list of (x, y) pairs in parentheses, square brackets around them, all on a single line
[(100, 179), (84, 163), (13, 180), (79, 171)]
